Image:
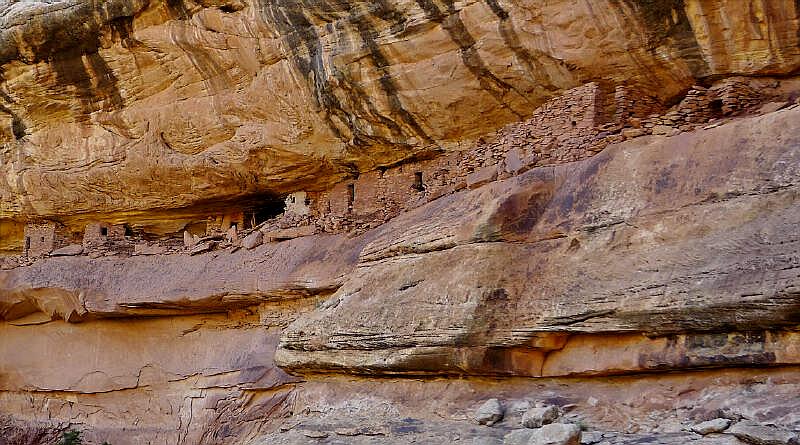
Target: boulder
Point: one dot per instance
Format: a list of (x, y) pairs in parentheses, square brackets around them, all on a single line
[(665, 130), (290, 233), (482, 176), (513, 162), (631, 133), (253, 240), (711, 426), (203, 248), (552, 434), (190, 240), (489, 413), (539, 416), (759, 434), (591, 437), (71, 250)]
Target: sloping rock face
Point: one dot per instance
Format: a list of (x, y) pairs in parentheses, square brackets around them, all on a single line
[(128, 108), (645, 238), (660, 254), (642, 290)]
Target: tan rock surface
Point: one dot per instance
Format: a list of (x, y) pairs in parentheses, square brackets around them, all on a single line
[(124, 107), (644, 238), (642, 291)]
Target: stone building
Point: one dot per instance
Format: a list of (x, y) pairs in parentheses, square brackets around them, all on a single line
[(100, 234), (43, 237), (222, 224)]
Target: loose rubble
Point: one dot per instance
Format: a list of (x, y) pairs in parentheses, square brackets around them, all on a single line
[(489, 413)]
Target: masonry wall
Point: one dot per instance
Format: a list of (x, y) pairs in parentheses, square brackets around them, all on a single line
[(41, 238), (99, 234), (568, 128)]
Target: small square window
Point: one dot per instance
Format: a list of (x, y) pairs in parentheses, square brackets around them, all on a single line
[(104, 231)]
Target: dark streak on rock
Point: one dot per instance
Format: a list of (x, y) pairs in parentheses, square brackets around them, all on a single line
[(452, 23), (94, 83), (797, 17), (76, 33), (18, 128), (509, 34), (294, 22), (178, 9), (366, 32), (299, 32), (668, 25)]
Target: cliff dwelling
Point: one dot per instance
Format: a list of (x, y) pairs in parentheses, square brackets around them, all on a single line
[(240, 222)]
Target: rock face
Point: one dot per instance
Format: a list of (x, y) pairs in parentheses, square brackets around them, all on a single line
[(550, 261), (636, 274), (603, 267), (131, 108)]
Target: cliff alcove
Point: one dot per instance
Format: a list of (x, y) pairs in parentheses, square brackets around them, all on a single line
[(251, 222)]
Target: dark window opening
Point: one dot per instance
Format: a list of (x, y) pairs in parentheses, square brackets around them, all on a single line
[(227, 9), (18, 128), (262, 212), (716, 107), (574, 124), (128, 231), (104, 231), (418, 184), (351, 196), (27, 243), (308, 201)]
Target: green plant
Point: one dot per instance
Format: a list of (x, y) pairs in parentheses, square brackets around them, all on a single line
[(71, 437)]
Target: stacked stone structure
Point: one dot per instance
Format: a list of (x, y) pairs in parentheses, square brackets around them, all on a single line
[(43, 237), (568, 128)]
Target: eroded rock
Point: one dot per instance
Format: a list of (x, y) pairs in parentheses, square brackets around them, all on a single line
[(711, 426), (759, 434), (539, 416), (551, 434), (489, 413)]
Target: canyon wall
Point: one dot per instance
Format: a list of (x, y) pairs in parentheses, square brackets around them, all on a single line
[(642, 274)]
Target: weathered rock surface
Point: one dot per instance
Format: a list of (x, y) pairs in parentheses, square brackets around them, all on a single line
[(676, 252), (551, 434), (717, 425), (539, 416), (489, 413), (759, 434), (79, 288), (607, 266), (148, 112), (643, 240)]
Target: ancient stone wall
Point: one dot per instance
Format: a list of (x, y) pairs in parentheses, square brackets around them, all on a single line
[(632, 103), (564, 129), (99, 234), (41, 238), (571, 127)]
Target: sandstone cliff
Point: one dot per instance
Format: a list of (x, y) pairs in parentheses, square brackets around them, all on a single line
[(636, 268), (129, 108)]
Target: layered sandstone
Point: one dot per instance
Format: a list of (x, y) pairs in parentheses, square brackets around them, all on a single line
[(510, 200), (607, 266), (148, 107)]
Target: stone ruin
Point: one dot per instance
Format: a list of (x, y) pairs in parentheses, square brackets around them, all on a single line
[(42, 238), (570, 127), (98, 235)]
